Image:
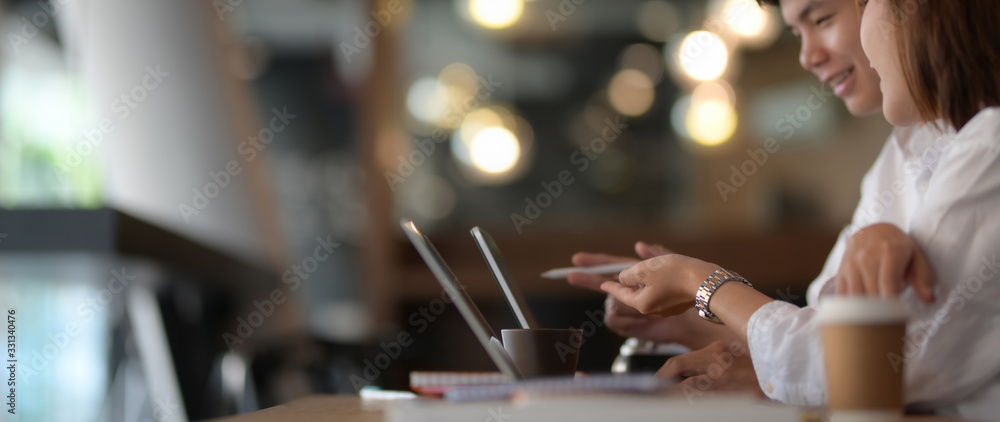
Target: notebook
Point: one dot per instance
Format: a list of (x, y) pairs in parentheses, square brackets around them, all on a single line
[(558, 386), (600, 408), (436, 383)]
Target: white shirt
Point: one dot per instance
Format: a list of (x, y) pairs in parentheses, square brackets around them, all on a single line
[(944, 190)]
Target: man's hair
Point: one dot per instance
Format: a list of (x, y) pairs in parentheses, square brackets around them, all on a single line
[(950, 52)]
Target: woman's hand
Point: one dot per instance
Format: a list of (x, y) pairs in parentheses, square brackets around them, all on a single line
[(593, 281), (623, 319), (688, 328), (664, 285), (881, 260)]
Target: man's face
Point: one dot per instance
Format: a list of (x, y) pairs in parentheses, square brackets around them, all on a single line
[(831, 49)]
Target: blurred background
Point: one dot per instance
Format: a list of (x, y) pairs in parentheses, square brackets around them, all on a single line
[(199, 200)]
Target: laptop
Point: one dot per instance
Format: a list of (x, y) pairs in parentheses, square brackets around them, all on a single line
[(491, 253), (494, 348), (470, 312)]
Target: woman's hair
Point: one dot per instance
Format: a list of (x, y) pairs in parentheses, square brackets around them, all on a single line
[(950, 54)]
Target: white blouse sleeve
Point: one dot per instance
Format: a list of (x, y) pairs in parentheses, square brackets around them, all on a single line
[(951, 347), (786, 353)]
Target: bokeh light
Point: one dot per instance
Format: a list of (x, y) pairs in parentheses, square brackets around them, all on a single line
[(631, 92), (460, 77), (702, 55), (493, 145), (707, 116), (678, 116), (711, 119), (475, 122), (427, 100), (711, 122), (440, 101), (496, 14), (495, 150), (756, 27), (714, 90)]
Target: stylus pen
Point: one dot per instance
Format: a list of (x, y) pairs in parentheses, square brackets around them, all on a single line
[(597, 269)]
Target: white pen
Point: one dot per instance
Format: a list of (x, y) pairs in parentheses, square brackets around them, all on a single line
[(597, 269)]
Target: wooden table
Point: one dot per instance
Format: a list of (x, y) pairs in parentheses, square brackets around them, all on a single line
[(351, 409), (315, 409)]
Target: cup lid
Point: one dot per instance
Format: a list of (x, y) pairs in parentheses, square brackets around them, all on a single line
[(861, 310)]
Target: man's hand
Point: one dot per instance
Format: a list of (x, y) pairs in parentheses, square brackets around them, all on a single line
[(881, 260), (721, 366), (688, 328)]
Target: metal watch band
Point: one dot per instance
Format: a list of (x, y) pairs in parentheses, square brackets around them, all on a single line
[(708, 287)]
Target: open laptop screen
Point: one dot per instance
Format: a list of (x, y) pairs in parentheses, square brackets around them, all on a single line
[(487, 338), (511, 292)]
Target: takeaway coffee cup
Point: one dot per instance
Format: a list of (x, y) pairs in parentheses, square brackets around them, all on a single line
[(863, 340), (543, 352)]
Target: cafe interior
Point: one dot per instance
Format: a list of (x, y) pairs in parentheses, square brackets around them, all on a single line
[(200, 200)]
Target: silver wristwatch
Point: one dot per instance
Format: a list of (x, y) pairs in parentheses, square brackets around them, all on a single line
[(708, 287)]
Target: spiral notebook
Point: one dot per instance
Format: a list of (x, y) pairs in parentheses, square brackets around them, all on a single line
[(561, 386), (435, 383)]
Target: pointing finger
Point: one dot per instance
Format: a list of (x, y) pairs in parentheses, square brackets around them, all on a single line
[(626, 295)]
